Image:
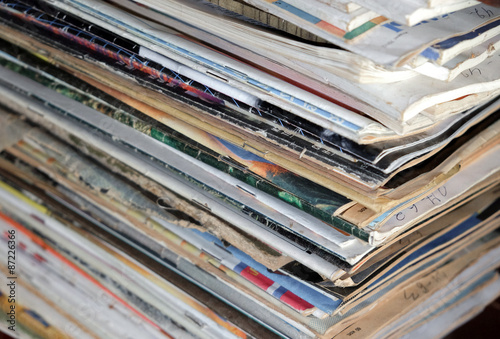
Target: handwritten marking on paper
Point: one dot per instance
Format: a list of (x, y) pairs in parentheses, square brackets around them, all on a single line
[(471, 72), (357, 329), (482, 12), (422, 288), (434, 199), (406, 241)]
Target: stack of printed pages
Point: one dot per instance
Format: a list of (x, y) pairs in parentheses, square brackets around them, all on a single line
[(248, 168)]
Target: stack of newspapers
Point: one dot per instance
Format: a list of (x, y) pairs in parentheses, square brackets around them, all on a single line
[(248, 168)]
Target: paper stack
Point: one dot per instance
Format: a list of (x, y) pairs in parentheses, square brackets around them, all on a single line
[(227, 168)]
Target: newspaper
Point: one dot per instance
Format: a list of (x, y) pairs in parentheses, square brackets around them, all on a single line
[(421, 260), (232, 292), (390, 43), (391, 303), (361, 200), (485, 167), (268, 88), (444, 219), (164, 252), (114, 270), (240, 10), (188, 243), (408, 104), (445, 50), (437, 137), (355, 68), (217, 207), (463, 307), (421, 93), (239, 163), (412, 12), (49, 270), (157, 100), (347, 247), (236, 260), (461, 64), (345, 21), (415, 240), (397, 44)]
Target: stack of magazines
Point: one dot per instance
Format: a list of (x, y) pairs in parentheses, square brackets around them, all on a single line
[(248, 168)]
